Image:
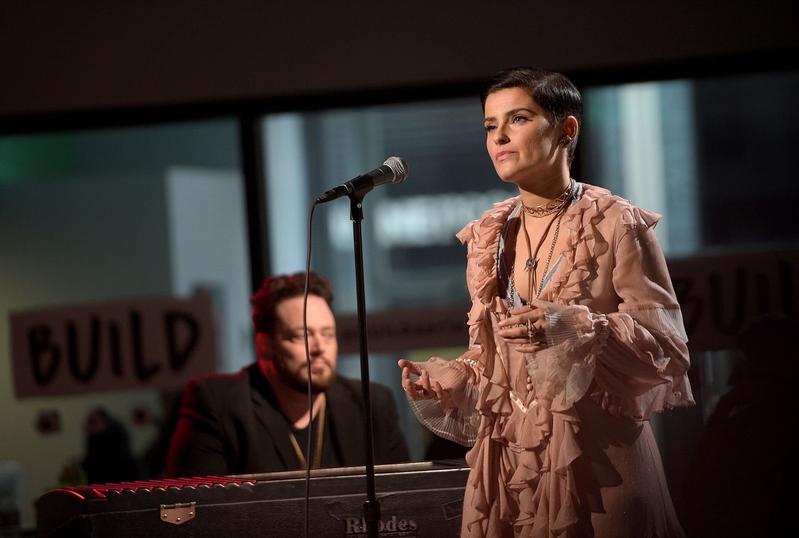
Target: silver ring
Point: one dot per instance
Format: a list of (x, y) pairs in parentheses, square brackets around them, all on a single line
[(531, 330)]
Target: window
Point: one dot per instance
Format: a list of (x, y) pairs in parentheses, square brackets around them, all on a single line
[(108, 215)]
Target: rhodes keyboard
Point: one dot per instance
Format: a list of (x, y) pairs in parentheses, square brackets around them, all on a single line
[(416, 500)]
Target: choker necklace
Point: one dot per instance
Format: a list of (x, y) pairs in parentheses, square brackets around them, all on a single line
[(554, 206)]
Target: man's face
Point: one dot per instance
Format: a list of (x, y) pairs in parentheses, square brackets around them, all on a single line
[(286, 359)]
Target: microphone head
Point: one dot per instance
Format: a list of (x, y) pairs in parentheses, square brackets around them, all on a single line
[(399, 167)]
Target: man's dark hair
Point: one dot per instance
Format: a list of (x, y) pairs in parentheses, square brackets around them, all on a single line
[(552, 91), (278, 288)]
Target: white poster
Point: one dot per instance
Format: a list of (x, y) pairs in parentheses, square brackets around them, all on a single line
[(151, 343)]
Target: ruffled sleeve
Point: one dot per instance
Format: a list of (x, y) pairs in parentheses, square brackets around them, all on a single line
[(456, 417), (632, 359)]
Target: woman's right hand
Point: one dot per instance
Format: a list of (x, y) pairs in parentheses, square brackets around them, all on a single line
[(525, 327), (422, 388)]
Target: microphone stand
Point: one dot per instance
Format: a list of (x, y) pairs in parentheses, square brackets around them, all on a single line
[(371, 507)]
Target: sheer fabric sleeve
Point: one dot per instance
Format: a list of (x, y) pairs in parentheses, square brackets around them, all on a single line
[(465, 379), (455, 416), (632, 361)]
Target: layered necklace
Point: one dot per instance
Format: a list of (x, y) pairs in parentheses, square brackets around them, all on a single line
[(557, 207), (554, 206)]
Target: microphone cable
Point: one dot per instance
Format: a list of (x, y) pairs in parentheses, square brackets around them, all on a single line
[(308, 449), (394, 170)]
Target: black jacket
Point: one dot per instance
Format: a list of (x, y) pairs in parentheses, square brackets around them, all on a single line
[(231, 424)]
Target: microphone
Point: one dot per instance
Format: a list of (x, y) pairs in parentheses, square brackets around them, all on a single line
[(394, 170)]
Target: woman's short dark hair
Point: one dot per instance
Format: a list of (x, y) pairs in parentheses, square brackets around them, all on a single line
[(278, 288), (552, 91)]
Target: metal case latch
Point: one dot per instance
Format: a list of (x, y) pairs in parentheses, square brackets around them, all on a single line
[(179, 513)]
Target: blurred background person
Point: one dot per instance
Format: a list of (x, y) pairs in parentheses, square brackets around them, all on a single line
[(108, 457), (258, 420), (742, 478)]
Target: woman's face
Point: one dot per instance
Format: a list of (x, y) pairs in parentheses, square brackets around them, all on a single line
[(520, 139)]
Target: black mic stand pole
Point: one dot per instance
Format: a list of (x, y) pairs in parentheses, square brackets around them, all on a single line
[(371, 507)]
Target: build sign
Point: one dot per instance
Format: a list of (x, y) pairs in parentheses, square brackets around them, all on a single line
[(153, 343)]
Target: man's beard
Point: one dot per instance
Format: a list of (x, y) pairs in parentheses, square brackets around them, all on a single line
[(297, 382)]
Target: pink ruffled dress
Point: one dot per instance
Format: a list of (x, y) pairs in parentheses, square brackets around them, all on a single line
[(561, 442)]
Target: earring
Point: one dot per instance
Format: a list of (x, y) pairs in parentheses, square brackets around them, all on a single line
[(564, 141)]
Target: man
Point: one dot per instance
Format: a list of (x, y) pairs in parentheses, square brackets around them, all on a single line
[(257, 420)]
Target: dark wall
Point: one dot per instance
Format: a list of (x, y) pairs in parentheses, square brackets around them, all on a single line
[(60, 56)]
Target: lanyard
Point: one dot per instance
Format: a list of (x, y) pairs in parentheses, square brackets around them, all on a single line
[(317, 460)]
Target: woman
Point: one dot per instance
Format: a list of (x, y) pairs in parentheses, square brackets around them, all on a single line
[(576, 338)]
